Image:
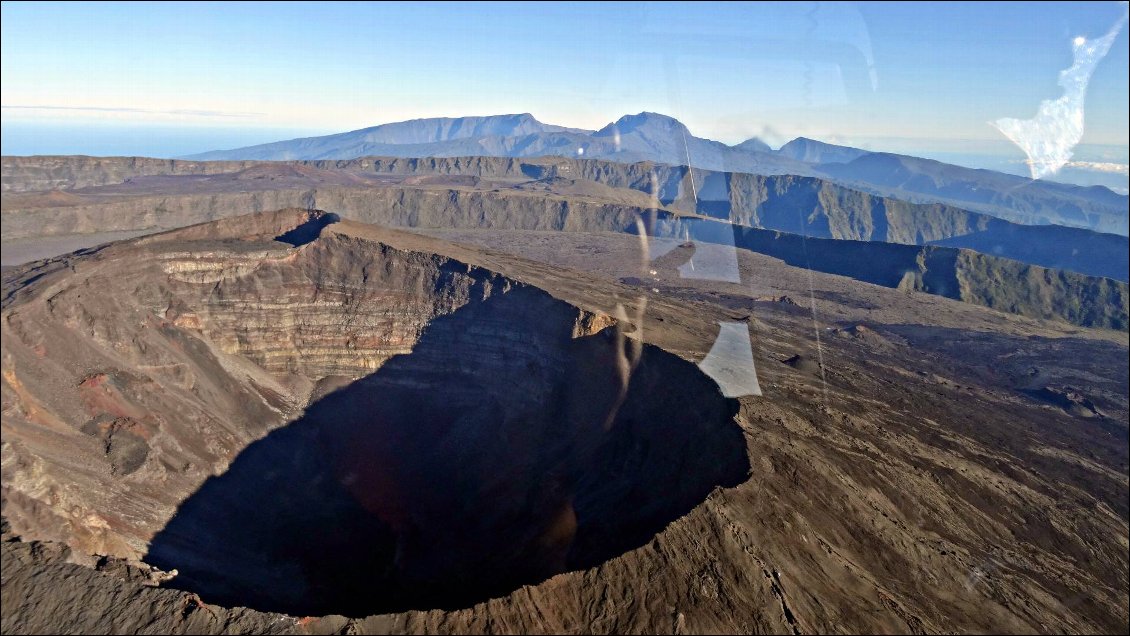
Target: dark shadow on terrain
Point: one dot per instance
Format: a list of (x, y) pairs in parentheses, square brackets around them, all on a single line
[(494, 455), (535, 171), (885, 264), (309, 230), (1057, 247)]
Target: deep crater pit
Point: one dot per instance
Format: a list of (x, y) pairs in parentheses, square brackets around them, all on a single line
[(504, 449)]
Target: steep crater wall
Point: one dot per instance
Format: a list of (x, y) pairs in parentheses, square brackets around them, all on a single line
[(509, 445), (465, 433)]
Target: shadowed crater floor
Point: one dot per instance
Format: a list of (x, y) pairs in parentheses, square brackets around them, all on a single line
[(502, 450)]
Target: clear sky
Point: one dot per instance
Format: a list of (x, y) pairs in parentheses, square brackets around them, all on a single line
[(873, 74)]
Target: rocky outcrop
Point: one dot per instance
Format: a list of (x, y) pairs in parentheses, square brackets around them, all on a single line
[(115, 591)]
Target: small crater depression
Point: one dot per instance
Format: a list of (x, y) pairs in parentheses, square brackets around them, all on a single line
[(308, 230), (507, 447)]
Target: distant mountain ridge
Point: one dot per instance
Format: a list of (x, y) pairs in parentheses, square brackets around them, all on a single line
[(950, 183), (642, 137), (659, 138), (812, 151), (405, 133)]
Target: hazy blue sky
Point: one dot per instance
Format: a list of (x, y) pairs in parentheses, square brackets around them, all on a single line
[(860, 73)]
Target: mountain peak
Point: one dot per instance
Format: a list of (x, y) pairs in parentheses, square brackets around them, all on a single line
[(753, 144), (644, 122), (814, 151), (522, 117)]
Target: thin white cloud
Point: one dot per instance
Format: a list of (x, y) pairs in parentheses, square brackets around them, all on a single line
[(1100, 166), (1093, 166), (111, 109)]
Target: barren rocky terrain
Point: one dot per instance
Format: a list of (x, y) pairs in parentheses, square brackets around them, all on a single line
[(329, 426), (915, 246), (50, 196)]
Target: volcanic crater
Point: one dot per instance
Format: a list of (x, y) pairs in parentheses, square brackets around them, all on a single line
[(463, 434)]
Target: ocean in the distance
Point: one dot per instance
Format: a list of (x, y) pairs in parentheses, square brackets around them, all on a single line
[(129, 140)]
